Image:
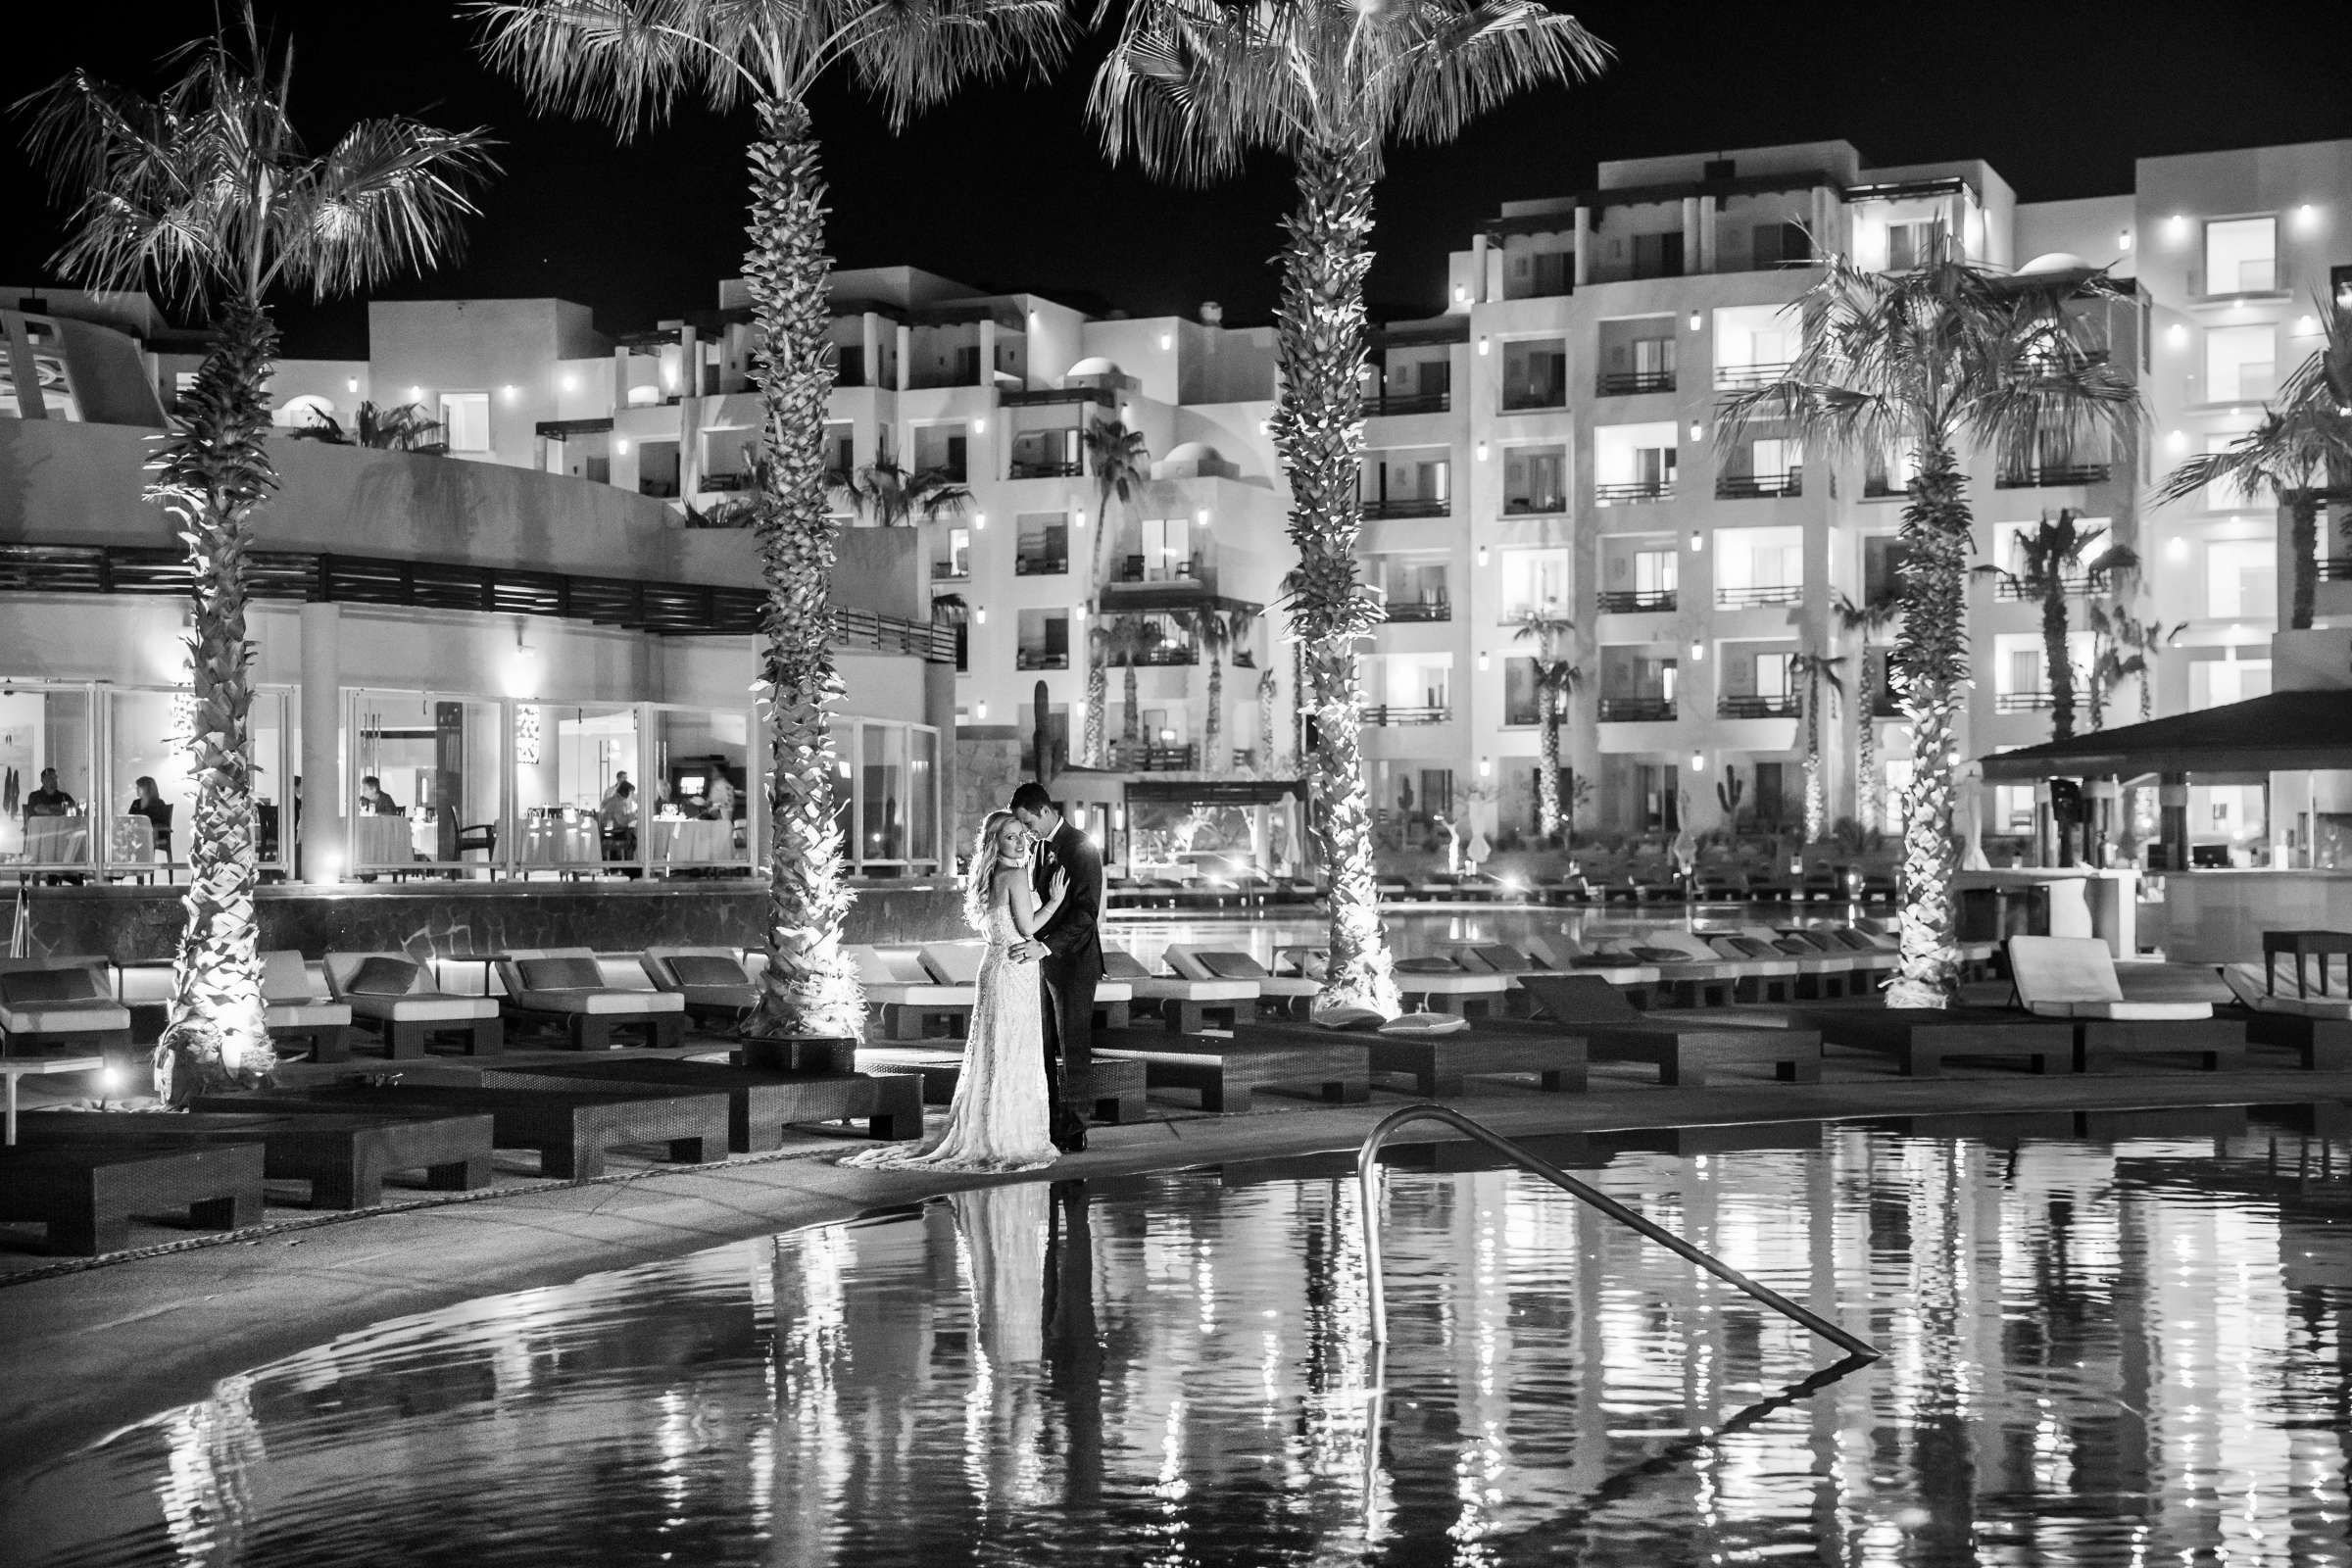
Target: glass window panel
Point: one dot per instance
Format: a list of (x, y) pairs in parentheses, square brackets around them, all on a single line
[(882, 794), (701, 797), (922, 796), (46, 820), (845, 787), (568, 758)]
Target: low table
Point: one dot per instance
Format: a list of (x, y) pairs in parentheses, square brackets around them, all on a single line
[(2320, 944), (86, 1196), (1919, 1039), (344, 1158), (1225, 1070), (1112, 1089), (569, 1131), (759, 1106), (1438, 1063), (16, 1068)]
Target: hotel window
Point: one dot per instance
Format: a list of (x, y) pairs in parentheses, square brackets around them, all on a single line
[(1535, 375), (2240, 364), (2241, 579), (41, 728), (2242, 256), (466, 421), (1535, 579), (1912, 245), (1522, 698)]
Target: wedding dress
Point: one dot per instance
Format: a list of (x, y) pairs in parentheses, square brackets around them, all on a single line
[(1000, 1120)]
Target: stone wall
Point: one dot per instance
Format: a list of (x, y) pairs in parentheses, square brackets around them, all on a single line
[(988, 769), (142, 924)]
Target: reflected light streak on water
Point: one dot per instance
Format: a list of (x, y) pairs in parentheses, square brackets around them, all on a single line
[(2116, 1350)]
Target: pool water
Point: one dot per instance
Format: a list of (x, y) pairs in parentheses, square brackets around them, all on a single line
[(2110, 1339)]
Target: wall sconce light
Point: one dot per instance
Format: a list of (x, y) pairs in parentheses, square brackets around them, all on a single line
[(1485, 766), (2175, 227), (1696, 321), (1077, 612), (351, 384), (982, 710), (979, 427), (980, 615), (507, 392), (1486, 345), (415, 394), (1482, 659), (1482, 451), (621, 445), (2177, 548), (571, 384), (2176, 442), (1698, 542), (2176, 334), (1698, 651), (1484, 555), (1078, 519), (2123, 241), (1699, 762), (1697, 430), (980, 523), (2306, 214), (1168, 340), (1461, 293), (2306, 326), (1201, 516)]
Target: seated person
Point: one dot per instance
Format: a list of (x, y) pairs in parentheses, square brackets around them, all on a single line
[(373, 799), (151, 805), (618, 822), (49, 800)]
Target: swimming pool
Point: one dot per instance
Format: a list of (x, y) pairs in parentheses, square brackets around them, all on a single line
[(2112, 1337)]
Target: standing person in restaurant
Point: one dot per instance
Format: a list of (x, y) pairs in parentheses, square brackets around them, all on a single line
[(1068, 948), (49, 800), (720, 798)]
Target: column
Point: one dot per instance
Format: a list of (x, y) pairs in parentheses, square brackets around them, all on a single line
[(1705, 254), (1478, 268), (1583, 246), (905, 355), (1694, 237), (2172, 819), (869, 347), (318, 804), (987, 352)]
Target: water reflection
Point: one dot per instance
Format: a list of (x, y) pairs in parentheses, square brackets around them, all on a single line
[(2122, 1346)]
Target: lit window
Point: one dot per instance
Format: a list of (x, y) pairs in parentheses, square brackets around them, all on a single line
[(2242, 256), (466, 421)]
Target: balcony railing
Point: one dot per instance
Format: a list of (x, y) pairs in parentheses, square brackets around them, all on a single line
[(1627, 383), (1387, 717), (1619, 495), (1755, 707), (1759, 486), (1407, 403), (1878, 487), (2023, 702), (2336, 569), (1397, 506), (720, 483), (1770, 593), (1734, 377), (2011, 588), (1040, 396), (1042, 659), (950, 570), (1044, 468), (2045, 475), (1141, 568), (1534, 398), (1420, 610), (1040, 566), (1141, 758), (1533, 506), (1636, 710), (1638, 602), (1170, 654)]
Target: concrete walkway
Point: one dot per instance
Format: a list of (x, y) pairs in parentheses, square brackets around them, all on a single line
[(92, 1347)]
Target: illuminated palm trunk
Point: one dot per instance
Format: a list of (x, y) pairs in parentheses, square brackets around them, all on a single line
[(811, 986), (1212, 727), (1547, 775), (2303, 536), (209, 476), (1265, 722), (1817, 794), (2054, 654), (1931, 664), (1866, 741), (1097, 694), (1319, 429), (1131, 719)]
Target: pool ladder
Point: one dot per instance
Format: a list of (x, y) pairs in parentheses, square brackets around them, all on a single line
[(1367, 1175)]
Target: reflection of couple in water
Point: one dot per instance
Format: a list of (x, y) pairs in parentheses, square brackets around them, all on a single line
[(1033, 889)]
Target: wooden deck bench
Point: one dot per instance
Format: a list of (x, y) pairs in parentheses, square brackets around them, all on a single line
[(88, 1196), (1685, 1047), (344, 1158), (759, 1106), (1225, 1071), (569, 1131), (1919, 1040), (1108, 1091)]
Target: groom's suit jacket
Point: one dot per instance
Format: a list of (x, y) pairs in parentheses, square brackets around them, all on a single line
[(1073, 937)]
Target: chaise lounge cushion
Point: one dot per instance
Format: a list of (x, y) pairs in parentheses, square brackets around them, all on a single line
[(1232, 966), (1347, 1016), (2073, 977), (707, 969), (1120, 965), (384, 977), (2245, 982), (62, 999), (38, 987), (399, 993), (1426, 1023), (560, 974)]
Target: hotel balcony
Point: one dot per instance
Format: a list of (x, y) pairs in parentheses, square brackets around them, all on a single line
[(1420, 610), (1640, 490), (1385, 716), (2048, 475), (1758, 595), (1631, 383), (1637, 603), (1760, 486), (1396, 403), (1782, 707), (2335, 569), (1029, 564), (1163, 759), (1741, 377), (2075, 587), (1636, 710), (1042, 659), (1044, 468), (1392, 509), (2023, 702), (950, 572)]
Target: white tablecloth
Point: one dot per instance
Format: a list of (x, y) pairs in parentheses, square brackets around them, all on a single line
[(380, 841), (56, 840), (689, 841), (557, 843)]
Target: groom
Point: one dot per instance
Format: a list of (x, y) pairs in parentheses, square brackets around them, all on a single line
[(1067, 949)]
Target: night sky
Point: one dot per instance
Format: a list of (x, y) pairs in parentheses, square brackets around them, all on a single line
[(1003, 188)]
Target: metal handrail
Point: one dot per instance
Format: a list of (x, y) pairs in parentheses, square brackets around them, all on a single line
[(1367, 1176)]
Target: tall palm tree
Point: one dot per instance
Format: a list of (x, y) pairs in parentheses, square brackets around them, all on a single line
[(1820, 678), (1212, 634), (1128, 642), (632, 61), (206, 193), (1866, 621), (2302, 450), (1918, 362), (1121, 464), (1556, 679), (2052, 562), (1190, 89), (890, 497)]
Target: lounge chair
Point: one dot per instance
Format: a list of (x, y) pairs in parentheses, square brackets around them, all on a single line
[(298, 1009), (1818, 973), (2318, 1029), (1689, 972), (1683, 1047), (87, 1194), (567, 988), (1919, 1040), (1562, 955), (717, 989), (1443, 985), (901, 985), (2074, 978), (1184, 1006), (1289, 993), (393, 995), (65, 1002)]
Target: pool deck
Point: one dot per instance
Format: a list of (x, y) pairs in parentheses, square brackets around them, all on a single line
[(94, 1345)]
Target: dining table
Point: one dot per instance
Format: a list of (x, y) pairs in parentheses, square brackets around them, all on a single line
[(554, 841), (378, 842), (689, 841), (56, 841)]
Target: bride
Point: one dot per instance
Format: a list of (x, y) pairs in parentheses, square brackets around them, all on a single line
[(1000, 1120)]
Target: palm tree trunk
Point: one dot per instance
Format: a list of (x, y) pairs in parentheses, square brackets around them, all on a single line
[(1098, 696), (1265, 722), (2303, 519), (1932, 659), (1547, 775), (810, 988), (1131, 721), (2054, 655), (1319, 429), (1866, 742), (209, 476), (1817, 803), (1212, 727)]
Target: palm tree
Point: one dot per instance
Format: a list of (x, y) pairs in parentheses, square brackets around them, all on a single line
[(1556, 679), (890, 497), (206, 191), (1866, 621), (1121, 464), (631, 61), (1918, 362), (1128, 642), (2050, 563), (405, 429), (2302, 450), (1190, 89), (1819, 678), (1218, 632)]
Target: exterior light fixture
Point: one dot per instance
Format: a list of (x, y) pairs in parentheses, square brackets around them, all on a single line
[(1461, 293), (351, 384), (1078, 519), (1168, 340), (571, 384), (508, 393), (415, 394), (1482, 451), (979, 427), (2306, 326), (1485, 766), (1167, 737), (1698, 542), (2176, 334), (2177, 442), (1486, 345), (1201, 516), (2175, 226), (621, 445), (1696, 321), (982, 710), (1482, 659), (980, 614), (980, 521), (1077, 612), (2123, 241), (1698, 651), (2177, 549), (2305, 216), (1697, 430), (1699, 762), (1483, 554)]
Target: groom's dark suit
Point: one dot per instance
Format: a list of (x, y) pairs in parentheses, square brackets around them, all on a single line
[(1071, 969)]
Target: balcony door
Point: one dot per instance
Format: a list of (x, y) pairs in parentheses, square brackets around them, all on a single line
[(1167, 547)]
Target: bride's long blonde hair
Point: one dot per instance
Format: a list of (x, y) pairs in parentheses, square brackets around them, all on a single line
[(980, 868)]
